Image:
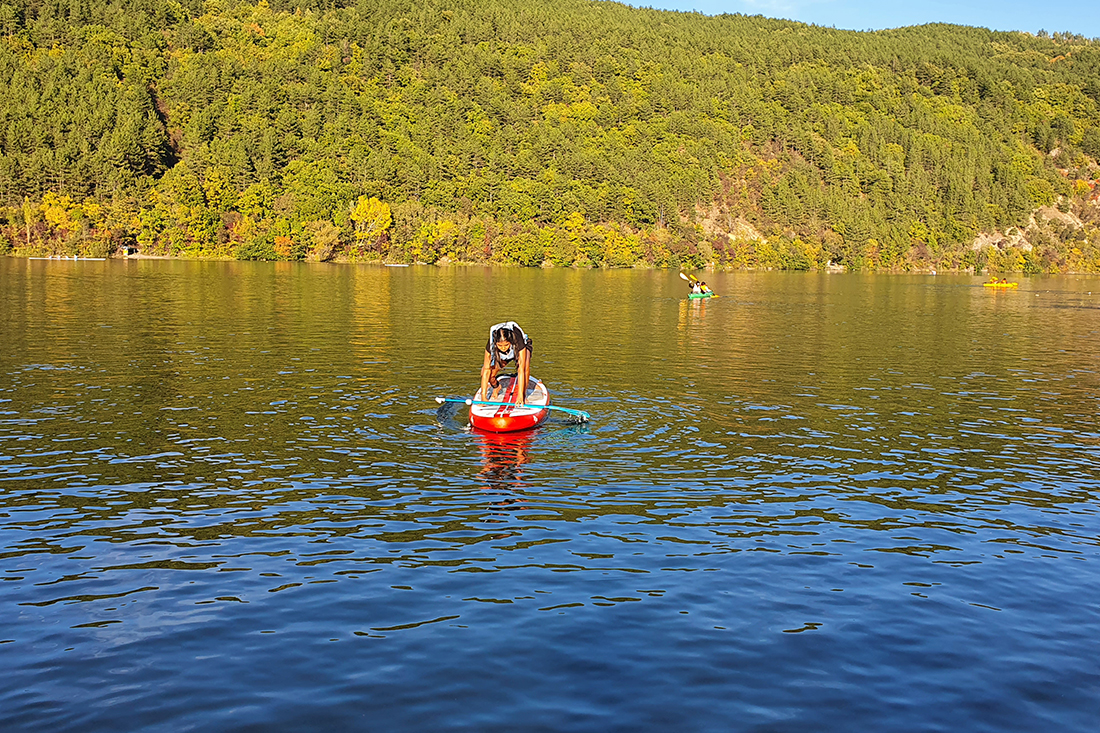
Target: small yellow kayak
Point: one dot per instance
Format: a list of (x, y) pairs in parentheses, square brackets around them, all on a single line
[(1000, 285)]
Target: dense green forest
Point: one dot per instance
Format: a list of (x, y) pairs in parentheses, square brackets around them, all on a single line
[(564, 132)]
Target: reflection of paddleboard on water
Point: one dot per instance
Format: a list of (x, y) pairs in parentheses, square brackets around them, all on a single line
[(503, 456), (503, 415)]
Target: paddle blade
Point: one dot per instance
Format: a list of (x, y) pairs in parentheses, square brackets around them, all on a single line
[(569, 419), (447, 409)]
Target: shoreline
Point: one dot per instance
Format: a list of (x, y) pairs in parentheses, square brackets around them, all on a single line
[(830, 270), (710, 267)]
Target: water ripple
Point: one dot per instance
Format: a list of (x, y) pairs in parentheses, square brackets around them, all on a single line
[(253, 514)]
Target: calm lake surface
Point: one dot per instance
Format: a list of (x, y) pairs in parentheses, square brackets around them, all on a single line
[(815, 503)]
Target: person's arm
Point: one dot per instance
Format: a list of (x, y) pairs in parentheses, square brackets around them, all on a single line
[(523, 373), (486, 372)]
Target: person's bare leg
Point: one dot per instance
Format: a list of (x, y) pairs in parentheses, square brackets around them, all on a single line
[(493, 376)]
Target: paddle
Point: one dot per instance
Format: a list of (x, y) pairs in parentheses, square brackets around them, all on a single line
[(584, 416), (446, 411), (692, 279)]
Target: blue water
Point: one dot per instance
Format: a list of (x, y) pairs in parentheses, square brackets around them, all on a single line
[(815, 503)]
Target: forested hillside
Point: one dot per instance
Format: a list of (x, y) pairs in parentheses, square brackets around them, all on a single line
[(564, 132)]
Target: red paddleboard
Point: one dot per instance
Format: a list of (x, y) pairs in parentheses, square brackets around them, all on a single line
[(508, 418)]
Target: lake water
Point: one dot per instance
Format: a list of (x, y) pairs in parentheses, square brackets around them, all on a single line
[(815, 503)]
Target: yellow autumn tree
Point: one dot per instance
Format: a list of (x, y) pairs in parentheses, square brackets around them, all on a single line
[(372, 219)]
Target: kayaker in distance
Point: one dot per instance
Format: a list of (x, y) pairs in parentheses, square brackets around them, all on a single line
[(696, 287), (507, 341), (703, 287)]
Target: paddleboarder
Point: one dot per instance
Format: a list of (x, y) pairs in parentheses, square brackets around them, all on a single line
[(507, 342)]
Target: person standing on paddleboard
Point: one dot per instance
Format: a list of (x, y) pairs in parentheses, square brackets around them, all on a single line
[(507, 341)]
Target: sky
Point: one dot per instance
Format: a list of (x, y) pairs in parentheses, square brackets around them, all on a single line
[(1075, 16)]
